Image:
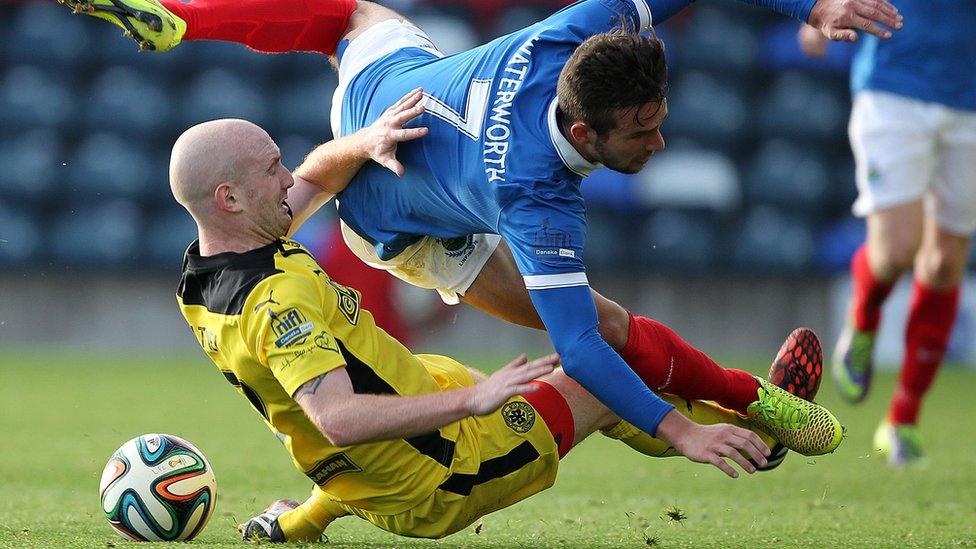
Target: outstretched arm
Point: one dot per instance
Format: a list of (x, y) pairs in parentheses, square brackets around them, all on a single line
[(571, 320), (327, 170), (836, 19), (348, 418)]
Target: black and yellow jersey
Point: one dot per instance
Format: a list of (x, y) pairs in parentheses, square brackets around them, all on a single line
[(271, 320)]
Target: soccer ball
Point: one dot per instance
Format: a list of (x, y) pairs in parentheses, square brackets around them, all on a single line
[(158, 488)]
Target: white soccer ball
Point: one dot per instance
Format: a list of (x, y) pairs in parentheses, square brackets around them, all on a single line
[(158, 488)]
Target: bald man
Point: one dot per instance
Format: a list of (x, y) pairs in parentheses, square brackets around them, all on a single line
[(416, 444)]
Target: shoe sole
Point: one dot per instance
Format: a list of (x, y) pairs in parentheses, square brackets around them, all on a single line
[(120, 14), (797, 368)]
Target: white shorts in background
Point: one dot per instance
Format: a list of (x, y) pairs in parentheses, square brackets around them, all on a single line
[(446, 265), (906, 149)]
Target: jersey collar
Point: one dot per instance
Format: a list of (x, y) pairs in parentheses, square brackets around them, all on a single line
[(567, 153), (196, 262)]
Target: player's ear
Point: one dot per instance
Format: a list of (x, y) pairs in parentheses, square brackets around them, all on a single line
[(227, 198), (582, 133)]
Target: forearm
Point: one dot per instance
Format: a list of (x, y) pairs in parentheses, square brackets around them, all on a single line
[(333, 164), (571, 320), (370, 418), (305, 199)]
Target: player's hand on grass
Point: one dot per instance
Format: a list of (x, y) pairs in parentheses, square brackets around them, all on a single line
[(812, 42), (512, 380), (841, 19), (713, 443), (381, 140)]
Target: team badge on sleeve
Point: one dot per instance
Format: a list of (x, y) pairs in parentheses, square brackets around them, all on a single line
[(290, 327), (519, 416)]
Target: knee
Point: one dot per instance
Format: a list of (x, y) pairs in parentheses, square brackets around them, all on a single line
[(939, 268), (892, 261)]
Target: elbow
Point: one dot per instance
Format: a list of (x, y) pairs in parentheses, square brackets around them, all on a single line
[(338, 433)]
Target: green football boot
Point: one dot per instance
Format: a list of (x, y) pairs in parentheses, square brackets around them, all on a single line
[(800, 425), (902, 444), (148, 22), (853, 364)]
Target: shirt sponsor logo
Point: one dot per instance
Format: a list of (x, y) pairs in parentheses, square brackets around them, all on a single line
[(329, 468), (547, 237), (290, 326), (554, 252)]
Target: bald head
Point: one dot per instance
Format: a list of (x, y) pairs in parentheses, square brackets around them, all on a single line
[(211, 153)]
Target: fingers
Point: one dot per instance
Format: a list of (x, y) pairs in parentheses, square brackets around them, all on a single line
[(736, 455), (519, 360), (724, 466), (394, 166), (880, 11), (413, 95), (408, 113), (870, 27), (408, 134)]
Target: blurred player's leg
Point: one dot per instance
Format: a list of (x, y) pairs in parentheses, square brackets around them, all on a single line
[(271, 26), (939, 268)]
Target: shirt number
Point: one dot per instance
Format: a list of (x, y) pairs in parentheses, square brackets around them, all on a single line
[(471, 122)]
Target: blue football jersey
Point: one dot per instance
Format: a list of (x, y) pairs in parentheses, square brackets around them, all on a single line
[(494, 160), (932, 58)]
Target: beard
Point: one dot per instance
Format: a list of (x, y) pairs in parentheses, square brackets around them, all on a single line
[(614, 161)]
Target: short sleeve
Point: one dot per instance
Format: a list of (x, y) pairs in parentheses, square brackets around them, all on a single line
[(285, 326), (546, 232)]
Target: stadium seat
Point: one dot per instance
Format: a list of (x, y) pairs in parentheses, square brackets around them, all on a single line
[(707, 109), (113, 49), (31, 97), (98, 236), (214, 54), (167, 236), (837, 241), (793, 177), (20, 236), (303, 105), (126, 101), (109, 165), (219, 93), (716, 42), (780, 51), (796, 105), (32, 164), (772, 242), (30, 37), (689, 178), (518, 17), (295, 146), (679, 240), (450, 34)]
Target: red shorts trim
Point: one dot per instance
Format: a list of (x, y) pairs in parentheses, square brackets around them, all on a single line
[(555, 411)]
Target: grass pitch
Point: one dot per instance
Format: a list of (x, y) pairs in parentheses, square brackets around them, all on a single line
[(64, 414)]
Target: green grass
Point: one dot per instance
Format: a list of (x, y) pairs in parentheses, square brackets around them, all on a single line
[(64, 414)]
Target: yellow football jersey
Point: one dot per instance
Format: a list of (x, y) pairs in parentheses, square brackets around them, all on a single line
[(271, 320)]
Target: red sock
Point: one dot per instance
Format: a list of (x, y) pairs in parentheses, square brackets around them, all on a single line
[(669, 364), (869, 292), (930, 321), (272, 26)]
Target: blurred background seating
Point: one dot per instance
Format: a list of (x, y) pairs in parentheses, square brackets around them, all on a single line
[(756, 179)]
